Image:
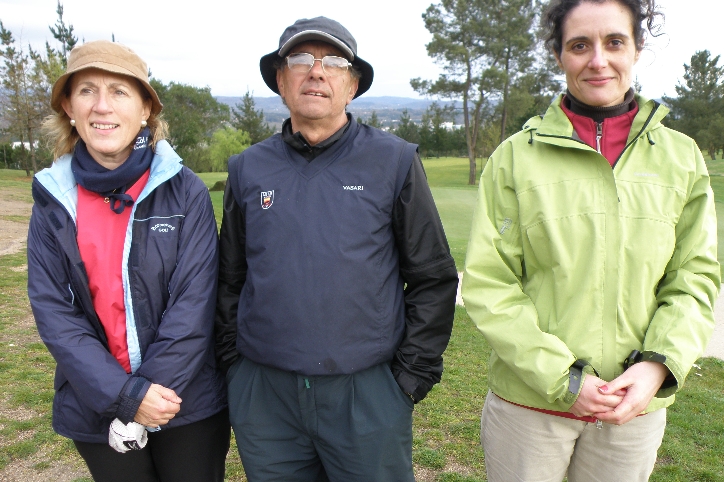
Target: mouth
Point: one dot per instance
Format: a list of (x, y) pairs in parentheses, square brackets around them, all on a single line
[(103, 127), (315, 94), (599, 80)]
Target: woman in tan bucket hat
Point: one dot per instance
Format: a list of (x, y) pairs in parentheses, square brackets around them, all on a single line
[(122, 268)]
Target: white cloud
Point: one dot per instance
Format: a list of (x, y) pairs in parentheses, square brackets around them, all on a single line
[(218, 43)]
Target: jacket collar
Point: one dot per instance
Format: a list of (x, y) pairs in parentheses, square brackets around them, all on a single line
[(58, 179), (555, 128)]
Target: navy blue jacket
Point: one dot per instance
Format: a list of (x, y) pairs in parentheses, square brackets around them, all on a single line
[(170, 267), (335, 265)]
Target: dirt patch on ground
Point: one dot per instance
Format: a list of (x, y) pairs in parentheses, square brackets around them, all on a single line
[(13, 236), (38, 468), (13, 207), (13, 232)]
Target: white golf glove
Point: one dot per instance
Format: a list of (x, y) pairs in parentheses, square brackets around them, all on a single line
[(127, 437)]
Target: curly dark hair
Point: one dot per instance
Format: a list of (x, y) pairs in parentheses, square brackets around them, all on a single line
[(642, 11)]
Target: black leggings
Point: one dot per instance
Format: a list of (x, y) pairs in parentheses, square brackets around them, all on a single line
[(191, 453)]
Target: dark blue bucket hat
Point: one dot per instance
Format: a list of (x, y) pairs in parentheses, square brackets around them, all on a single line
[(325, 30)]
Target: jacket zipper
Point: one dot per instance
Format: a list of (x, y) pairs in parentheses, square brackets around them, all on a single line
[(599, 135), (646, 124)]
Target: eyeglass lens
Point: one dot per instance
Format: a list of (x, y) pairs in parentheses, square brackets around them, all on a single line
[(303, 63)]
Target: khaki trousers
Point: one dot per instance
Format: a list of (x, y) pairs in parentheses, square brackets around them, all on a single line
[(528, 446)]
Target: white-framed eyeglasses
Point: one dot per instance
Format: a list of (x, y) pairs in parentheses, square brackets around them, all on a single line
[(332, 65)]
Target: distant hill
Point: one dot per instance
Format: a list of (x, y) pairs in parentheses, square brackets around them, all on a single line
[(388, 108)]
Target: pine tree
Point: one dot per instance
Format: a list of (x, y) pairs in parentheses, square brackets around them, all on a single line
[(246, 118), (63, 34), (698, 111), (374, 121), (17, 100), (407, 129), (483, 46)]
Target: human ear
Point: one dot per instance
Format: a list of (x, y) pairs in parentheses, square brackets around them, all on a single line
[(280, 82), (67, 107), (354, 85)]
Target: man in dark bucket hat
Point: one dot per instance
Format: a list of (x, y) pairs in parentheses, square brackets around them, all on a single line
[(336, 284)]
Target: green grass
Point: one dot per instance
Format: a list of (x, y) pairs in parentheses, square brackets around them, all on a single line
[(211, 178), (446, 424), (450, 171), (716, 173), (455, 200), (15, 186), (26, 377)]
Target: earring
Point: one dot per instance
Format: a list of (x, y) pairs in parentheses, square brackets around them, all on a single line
[(72, 122), (144, 123)]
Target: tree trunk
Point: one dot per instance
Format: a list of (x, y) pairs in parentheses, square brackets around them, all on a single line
[(24, 157), (506, 86), (31, 147), (473, 167)]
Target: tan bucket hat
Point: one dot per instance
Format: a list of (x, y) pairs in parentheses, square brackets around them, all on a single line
[(108, 56)]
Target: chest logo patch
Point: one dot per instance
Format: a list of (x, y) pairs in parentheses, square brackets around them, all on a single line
[(267, 199), (162, 228)]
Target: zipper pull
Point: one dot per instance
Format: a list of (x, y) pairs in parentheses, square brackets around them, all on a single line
[(306, 382), (599, 135)]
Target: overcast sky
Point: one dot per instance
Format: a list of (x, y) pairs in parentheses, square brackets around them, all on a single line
[(218, 43)]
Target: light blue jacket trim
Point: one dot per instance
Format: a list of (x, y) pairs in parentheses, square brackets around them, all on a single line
[(59, 181), (166, 164)]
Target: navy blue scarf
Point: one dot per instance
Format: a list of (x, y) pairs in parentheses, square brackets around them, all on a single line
[(112, 183)]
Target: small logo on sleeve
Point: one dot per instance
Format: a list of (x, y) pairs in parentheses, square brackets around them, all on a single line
[(267, 199), (507, 223)]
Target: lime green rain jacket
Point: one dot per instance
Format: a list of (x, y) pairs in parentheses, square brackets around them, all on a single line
[(569, 259)]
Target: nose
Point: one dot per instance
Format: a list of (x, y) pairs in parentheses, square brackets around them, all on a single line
[(102, 102), (317, 70), (599, 59)]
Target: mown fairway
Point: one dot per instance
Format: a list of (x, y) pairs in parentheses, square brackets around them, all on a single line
[(446, 424)]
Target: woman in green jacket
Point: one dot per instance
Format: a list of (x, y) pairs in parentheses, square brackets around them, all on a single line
[(592, 267)]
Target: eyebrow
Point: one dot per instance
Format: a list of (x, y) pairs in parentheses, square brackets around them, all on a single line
[(611, 35), (112, 84)]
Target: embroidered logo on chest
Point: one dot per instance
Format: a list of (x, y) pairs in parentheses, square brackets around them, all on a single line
[(353, 188), (267, 199), (162, 228)]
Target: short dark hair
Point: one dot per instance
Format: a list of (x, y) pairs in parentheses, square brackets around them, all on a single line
[(642, 12)]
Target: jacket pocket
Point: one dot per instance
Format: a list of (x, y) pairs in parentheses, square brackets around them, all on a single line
[(72, 418)]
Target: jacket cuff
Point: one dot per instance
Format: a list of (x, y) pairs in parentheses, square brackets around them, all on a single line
[(131, 397), (413, 386), (576, 375), (670, 384)]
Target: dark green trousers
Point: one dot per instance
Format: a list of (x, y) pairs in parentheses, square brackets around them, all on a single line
[(292, 428)]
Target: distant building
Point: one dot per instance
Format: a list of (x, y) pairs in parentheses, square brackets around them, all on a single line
[(26, 145), (449, 126)]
